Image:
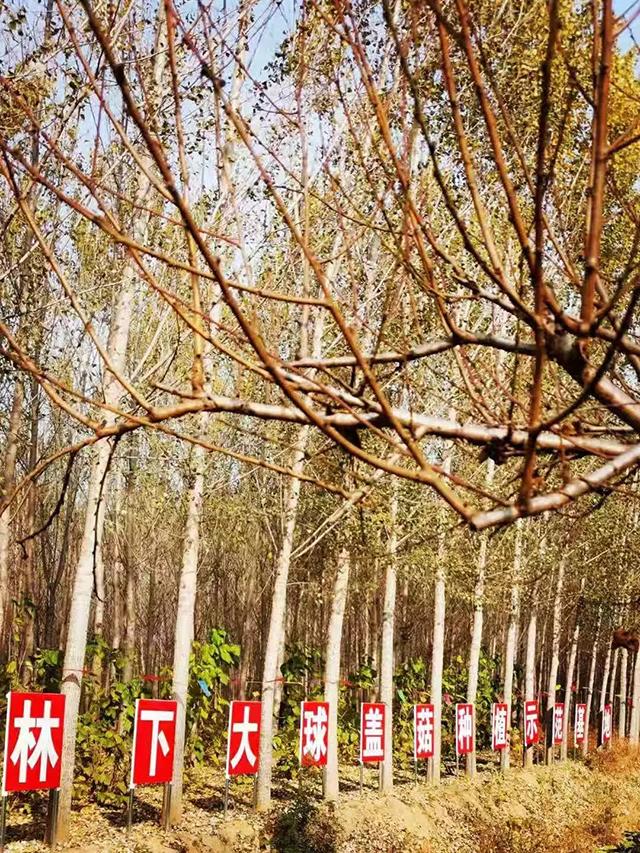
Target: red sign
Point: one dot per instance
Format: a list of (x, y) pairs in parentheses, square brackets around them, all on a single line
[(606, 723), (531, 723), (423, 726), (465, 729), (154, 737), (558, 723), (580, 724), (243, 742), (372, 716), (314, 734), (499, 732), (33, 741)]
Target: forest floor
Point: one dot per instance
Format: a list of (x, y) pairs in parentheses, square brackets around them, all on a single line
[(573, 807)]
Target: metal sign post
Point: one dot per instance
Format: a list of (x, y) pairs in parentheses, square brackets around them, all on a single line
[(166, 806), (226, 796), (3, 821), (52, 817), (130, 810)]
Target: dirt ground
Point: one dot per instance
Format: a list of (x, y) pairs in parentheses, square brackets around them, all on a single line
[(569, 808)]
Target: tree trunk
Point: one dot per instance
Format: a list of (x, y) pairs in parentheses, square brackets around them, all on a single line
[(624, 688), (512, 634), (74, 659), (571, 664), (553, 666), (386, 652), (332, 671), (478, 621), (591, 682), (276, 623), (185, 624), (634, 723), (7, 482)]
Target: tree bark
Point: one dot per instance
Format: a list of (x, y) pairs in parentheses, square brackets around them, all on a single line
[(387, 645), (185, 624), (8, 477), (276, 623), (624, 687), (332, 671), (634, 723), (590, 683), (571, 664), (553, 666), (74, 660), (512, 634)]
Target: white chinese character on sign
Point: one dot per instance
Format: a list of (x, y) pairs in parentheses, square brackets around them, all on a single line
[(580, 722), (500, 726), (558, 722), (531, 723), (465, 729), (158, 737), (373, 733), (314, 733), (41, 746), (424, 730), (606, 723), (244, 729)]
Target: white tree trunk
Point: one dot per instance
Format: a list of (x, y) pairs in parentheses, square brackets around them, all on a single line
[(553, 666), (591, 682), (332, 671), (74, 659), (571, 665), (478, 621), (185, 624), (6, 485), (386, 650), (624, 688), (276, 623), (634, 723), (512, 634)]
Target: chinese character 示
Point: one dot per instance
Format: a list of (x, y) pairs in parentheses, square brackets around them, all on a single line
[(531, 730)]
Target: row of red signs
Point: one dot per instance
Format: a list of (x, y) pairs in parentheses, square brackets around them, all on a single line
[(35, 728)]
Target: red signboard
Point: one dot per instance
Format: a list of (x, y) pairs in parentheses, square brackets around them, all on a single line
[(558, 723), (531, 723), (580, 724), (314, 734), (33, 741), (499, 731), (243, 742), (423, 728), (465, 729), (372, 716), (154, 737), (607, 722)]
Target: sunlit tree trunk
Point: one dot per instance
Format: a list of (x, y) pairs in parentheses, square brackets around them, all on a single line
[(74, 659), (332, 671), (571, 665), (634, 722), (590, 683), (512, 633), (554, 661), (624, 688), (387, 645), (478, 621), (185, 624), (437, 651), (6, 485), (276, 622)]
